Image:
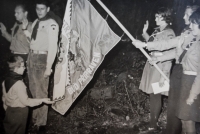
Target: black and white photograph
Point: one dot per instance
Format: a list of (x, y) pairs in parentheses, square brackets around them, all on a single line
[(100, 66)]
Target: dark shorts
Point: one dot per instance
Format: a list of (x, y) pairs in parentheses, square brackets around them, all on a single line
[(15, 120)]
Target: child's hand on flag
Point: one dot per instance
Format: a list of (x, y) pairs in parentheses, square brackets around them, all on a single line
[(47, 101)]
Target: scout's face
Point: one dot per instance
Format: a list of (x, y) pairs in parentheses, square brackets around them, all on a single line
[(159, 20), (20, 70), (20, 14), (195, 29), (42, 10), (188, 13)]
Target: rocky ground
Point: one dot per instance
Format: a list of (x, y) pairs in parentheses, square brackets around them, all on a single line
[(111, 103)]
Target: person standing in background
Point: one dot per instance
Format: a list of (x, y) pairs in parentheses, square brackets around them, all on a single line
[(173, 123), (184, 100), (19, 45), (43, 39), (15, 98), (150, 74)]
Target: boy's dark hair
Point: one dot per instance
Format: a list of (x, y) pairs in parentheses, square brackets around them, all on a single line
[(195, 17), (14, 61), (23, 6), (166, 13), (44, 2)]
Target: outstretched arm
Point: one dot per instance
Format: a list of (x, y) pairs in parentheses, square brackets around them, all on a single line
[(160, 45), (20, 88), (165, 44), (5, 34)]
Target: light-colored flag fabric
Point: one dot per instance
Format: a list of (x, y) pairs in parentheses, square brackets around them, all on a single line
[(88, 39)]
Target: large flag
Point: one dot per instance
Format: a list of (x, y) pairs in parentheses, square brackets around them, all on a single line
[(86, 39)]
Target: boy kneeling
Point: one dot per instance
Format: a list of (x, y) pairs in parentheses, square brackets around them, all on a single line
[(15, 98)]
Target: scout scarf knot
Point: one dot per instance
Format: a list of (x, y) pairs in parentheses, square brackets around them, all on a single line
[(185, 50), (157, 30), (151, 39), (34, 33), (11, 79), (16, 28)]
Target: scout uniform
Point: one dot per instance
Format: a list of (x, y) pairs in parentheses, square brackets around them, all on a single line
[(173, 123), (172, 43), (15, 102), (19, 44), (150, 74), (43, 48), (190, 82)]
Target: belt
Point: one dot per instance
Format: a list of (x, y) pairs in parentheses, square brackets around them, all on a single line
[(190, 72), (18, 52), (38, 52)]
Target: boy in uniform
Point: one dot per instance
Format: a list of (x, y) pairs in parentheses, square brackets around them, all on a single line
[(15, 98), (43, 39)]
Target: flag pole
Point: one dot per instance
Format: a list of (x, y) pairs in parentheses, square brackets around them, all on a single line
[(131, 37)]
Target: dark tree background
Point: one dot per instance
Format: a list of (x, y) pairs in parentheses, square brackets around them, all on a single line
[(131, 13), (121, 69)]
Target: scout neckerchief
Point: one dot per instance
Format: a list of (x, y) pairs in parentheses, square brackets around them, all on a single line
[(11, 79), (16, 28), (157, 30), (186, 29), (34, 33), (185, 50), (154, 35)]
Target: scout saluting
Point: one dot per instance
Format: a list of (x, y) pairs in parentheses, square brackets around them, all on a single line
[(150, 74), (187, 47)]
